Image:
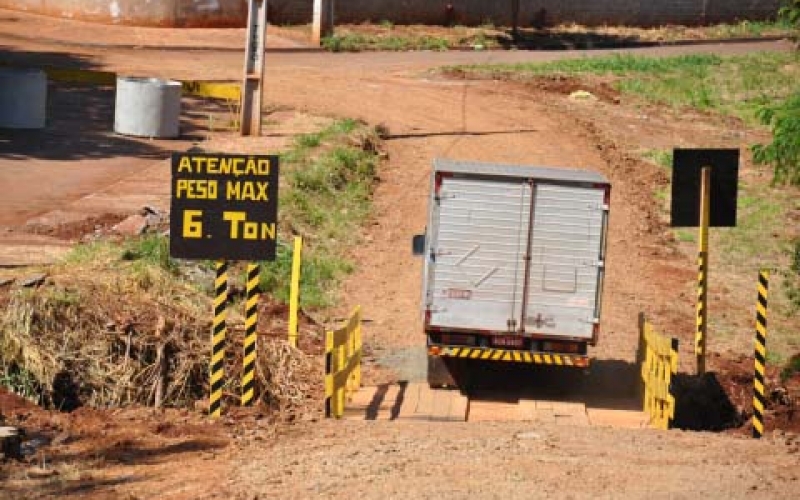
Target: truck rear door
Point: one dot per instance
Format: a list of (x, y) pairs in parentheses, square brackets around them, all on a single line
[(566, 268), (480, 231)]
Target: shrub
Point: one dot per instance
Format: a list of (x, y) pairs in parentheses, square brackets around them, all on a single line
[(790, 13), (784, 151)]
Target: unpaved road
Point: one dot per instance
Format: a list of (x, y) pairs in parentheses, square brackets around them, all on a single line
[(429, 117)]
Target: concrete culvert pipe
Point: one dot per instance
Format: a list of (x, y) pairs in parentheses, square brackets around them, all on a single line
[(23, 98), (147, 107)]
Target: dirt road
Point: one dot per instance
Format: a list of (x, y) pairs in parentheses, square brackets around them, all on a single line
[(429, 117)]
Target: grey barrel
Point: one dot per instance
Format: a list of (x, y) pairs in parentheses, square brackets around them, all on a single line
[(23, 98), (147, 107)]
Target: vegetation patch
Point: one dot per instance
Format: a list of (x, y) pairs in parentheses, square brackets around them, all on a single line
[(327, 180), (120, 322), (388, 36), (737, 85)]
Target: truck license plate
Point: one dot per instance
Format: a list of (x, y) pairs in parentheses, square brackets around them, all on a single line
[(508, 341)]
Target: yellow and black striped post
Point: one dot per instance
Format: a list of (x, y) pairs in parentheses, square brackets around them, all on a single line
[(702, 271), (217, 367), (250, 324), (759, 400)]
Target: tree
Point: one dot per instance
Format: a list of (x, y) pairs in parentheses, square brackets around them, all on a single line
[(790, 13)]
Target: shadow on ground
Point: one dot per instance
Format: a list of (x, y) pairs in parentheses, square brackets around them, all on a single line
[(80, 119), (548, 39), (610, 384), (701, 404)]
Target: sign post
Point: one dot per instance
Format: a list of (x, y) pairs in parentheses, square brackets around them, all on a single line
[(225, 207), (759, 380), (702, 270), (294, 293), (704, 195), (218, 331), (250, 327)]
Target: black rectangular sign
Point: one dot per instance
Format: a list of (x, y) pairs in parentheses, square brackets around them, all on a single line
[(224, 206), (687, 165)]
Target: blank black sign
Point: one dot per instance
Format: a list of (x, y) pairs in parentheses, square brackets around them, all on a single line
[(686, 172)]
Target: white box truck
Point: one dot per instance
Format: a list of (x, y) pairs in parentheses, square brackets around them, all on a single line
[(514, 263)]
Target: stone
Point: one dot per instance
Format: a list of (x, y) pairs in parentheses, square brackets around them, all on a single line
[(33, 280), (10, 443), (132, 226)]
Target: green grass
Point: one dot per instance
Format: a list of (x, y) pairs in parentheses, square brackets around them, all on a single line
[(150, 250), (325, 196), (790, 369), (753, 29), (758, 219), (660, 157), (355, 42), (736, 85), (686, 235), (20, 381), (386, 35)]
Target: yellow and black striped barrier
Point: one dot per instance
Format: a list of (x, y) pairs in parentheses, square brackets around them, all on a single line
[(759, 399), (250, 324), (490, 354), (342, 364), (658, 356), (217, 366), (213, 89)]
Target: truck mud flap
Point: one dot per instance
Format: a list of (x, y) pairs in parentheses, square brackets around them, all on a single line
[(488, 354), (444, 372)]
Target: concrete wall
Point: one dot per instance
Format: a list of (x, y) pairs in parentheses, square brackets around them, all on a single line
[(467, 12), (189, 13)]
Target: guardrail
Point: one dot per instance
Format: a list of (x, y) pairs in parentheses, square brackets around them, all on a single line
[(658, 358), (342, 364)]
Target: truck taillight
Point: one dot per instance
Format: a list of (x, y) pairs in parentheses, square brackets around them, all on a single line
[(437, 184), (427, 317), (606, 193), (581, 362)]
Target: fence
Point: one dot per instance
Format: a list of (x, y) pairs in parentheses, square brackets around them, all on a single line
[(658, 358), (342, 364)]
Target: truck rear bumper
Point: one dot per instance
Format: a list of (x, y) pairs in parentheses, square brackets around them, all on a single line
[(490, 354)]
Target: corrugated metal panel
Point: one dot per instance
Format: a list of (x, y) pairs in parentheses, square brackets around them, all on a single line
[(565, 253), (479, 238), (472, 168)]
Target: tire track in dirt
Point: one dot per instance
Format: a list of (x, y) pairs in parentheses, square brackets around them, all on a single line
[(499, 122)]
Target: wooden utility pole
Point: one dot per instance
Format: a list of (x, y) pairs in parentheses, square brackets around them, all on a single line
[(252, 86)]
